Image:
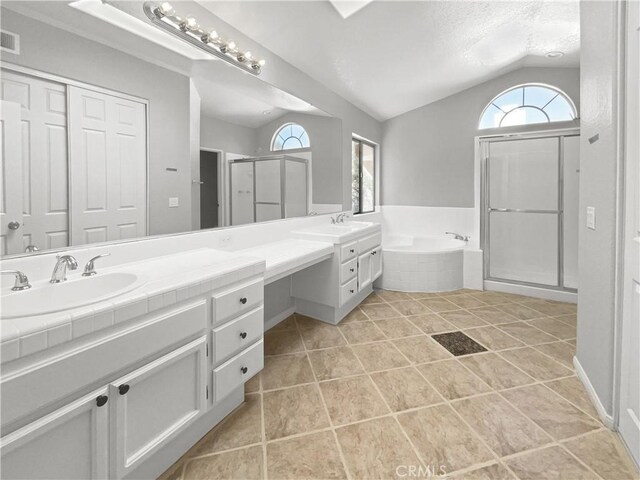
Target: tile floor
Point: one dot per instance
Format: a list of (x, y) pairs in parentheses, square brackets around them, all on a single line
[(377, 397)]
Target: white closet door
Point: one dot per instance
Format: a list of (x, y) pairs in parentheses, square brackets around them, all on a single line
[(108, 167), (10, 179), (44, 158)]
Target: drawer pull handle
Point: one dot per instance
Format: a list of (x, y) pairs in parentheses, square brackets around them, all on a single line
[(351, 250), (374, 252), (243, 335), (123, 389), (102, 400), (244, 370), (243, 300), (352, 270), (351, 291)]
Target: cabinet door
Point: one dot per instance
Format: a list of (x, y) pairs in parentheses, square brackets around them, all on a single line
[(156, 402), (72, 442), (364, 270), (376, 263)]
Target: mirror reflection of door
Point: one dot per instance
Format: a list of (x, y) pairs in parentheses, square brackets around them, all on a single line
[(209, 189)]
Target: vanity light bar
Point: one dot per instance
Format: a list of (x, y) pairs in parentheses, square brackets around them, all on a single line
[(187, 28)]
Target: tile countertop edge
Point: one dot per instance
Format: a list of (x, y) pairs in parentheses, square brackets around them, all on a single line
[(40, 332)]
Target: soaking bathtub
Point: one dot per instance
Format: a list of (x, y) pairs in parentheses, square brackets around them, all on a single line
[(422, 263)]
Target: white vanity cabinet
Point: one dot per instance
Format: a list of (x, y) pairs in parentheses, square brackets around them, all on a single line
[(69, 443), (329, 290), (153, 403), (130, 400)]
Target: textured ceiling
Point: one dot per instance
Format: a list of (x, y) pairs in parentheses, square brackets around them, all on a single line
[(393, 56)]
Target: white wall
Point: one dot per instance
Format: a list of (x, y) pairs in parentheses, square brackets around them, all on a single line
[(56, 51), (598, 188), (428, 153), (228, 137)]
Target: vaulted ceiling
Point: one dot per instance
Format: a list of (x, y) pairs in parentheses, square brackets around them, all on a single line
[(389, 57)]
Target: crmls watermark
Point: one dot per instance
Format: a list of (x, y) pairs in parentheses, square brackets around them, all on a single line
[(420, 471)]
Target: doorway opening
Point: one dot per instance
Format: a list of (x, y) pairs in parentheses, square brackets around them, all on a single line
[(209, 191)]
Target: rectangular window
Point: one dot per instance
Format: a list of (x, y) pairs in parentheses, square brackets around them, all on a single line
[(363, 156)]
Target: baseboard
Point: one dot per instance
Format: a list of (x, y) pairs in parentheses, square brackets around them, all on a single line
[(273, 321), (607, 419)]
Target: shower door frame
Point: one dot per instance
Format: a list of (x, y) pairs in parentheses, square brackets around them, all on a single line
[(485, 209)]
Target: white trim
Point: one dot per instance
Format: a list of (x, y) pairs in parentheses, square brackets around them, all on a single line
[(273, 321), (607, 419), (531, 291)]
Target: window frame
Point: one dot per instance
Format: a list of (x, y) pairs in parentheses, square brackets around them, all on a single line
[(277, 133), (558, 91), (361, 141)]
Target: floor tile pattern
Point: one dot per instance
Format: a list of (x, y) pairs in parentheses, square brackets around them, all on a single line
[(378, 397)]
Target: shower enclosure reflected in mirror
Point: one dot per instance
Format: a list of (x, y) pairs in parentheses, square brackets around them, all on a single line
[(109, 141)]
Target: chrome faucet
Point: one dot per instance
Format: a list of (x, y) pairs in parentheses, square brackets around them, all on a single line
[(60, 270), (89, 269), (22, 282), (339, 218), (457, 236)]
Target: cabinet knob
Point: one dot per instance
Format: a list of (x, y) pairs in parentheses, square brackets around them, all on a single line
[(101, 400), (352, 250), (243, 300), (243, 335), (351, 291), (352, 270), (123, 389), (244, 370)]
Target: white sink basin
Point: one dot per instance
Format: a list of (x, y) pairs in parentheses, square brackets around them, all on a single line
[(338, 233), (50, 298)]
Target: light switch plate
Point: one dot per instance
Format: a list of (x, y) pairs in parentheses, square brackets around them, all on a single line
[(174, 202), (591, 218)]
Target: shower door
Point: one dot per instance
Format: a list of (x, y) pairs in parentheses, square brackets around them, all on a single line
[(530, 224)]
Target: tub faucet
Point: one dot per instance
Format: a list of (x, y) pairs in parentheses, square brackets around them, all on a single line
[(457, 236), (60, 270)]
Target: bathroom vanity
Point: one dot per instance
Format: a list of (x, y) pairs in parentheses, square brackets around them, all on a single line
[(329, 290), (149, 374)]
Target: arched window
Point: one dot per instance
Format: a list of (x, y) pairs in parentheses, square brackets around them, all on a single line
[(290, 136), (527, 104)]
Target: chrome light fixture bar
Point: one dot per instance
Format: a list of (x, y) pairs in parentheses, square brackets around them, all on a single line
[(187, 28)]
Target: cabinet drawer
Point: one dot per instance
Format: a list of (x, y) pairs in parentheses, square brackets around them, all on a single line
[(370, 242), (348, 270), (232, 302), (348, 251), (238, 334), (348, 290), (237, 370)]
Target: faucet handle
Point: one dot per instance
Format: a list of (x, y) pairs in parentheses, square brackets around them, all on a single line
[(22, 282), (89, 269)]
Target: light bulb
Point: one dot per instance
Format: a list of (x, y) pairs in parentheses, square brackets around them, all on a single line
[(231, 45), (212, 35), (261, 62), (166, 8), (247, 55), (191, 23)]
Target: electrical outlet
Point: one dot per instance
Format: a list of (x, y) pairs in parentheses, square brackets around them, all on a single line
[(174, 202), (591, 218)]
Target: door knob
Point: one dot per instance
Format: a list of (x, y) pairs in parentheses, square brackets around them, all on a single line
[(14, 225)]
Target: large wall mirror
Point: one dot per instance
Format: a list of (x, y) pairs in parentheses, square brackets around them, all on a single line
[(110, 135)]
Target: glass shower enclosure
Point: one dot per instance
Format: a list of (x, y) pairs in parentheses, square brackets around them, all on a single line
[(530, 198), (268, 188)]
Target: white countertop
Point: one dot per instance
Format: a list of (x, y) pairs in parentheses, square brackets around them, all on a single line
[(170, 279), (285, 257)]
